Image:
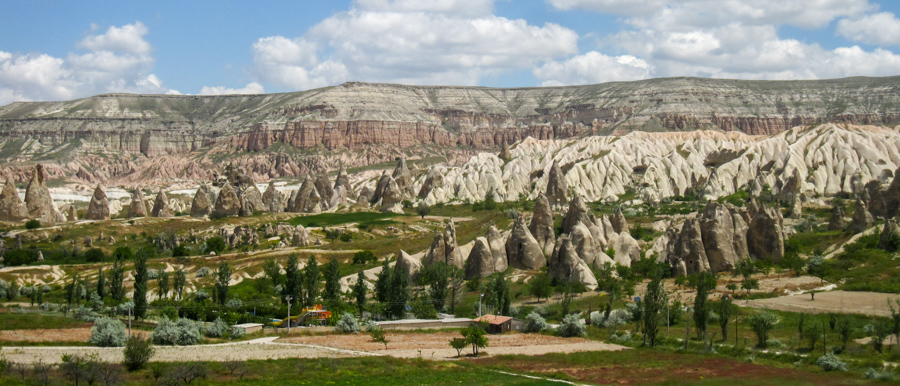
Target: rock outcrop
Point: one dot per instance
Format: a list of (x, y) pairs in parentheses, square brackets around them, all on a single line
[(717, 229), (618, 221), (836, 222), (38, 202), (201, 205), (272, 199), (71, 214), (444, 248), (11, 206), (498, 246), (137, 208), (227, 202), (480, 263), (557, 190), (765, 238), (98, 208), (541, 225), (522, 250), (306, 199), (892, 196), (566, 266), (343, 181), (392, 199), (408, 264), (862, 217), (161, 206), (403, 178), (325, 189)]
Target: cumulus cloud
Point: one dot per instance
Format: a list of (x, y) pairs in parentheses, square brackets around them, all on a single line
[(881, 28), (592, 67), (118, 60), (251, 88), (434, 42)]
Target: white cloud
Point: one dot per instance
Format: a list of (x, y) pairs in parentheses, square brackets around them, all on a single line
[(456, 7), (118, 60), (626, 7), (399, 42), (251, 88), (592, 67), (880, 28)]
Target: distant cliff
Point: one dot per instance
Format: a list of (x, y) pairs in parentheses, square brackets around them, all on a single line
[(358, 115)]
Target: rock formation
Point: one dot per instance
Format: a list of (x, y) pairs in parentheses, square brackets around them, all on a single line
[(618, 221), (38, 201), (445, 248), (765, 238), (227, 202), (497, 246), (161, 206), (201, 205), (11, 206), (718, 235), (504, 151), (892, 196), (557, 189), (876, 202), (306, 199), (890, 236), (273, 199), (522, 250), (137, 208), (98, 209), (392, 198), (862, 218), (541, 225), (406, 263), (434, 178), (566, 266), (71, 214), (686, 253), (343, 180), (836, 222), (403, 178), (324, 188), (480, 263)]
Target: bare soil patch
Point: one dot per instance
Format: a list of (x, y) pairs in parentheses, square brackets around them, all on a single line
[(867, 303), (49, 335), (436, 345)]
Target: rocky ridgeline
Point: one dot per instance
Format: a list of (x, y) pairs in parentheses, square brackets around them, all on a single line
[(822, 161)]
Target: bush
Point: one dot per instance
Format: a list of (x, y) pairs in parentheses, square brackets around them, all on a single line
[(762, 323), (184, 332), (20, 256), (347, 324), (371, 326), (138, 352), (94, 255), (237, 332), (616, 318), (203, 272), (536, 323), (830, 362), (363, 257), (879, 375), (571, 325), (32, 224), (108, 332), (180, 251), (215, 244), (216, 329)]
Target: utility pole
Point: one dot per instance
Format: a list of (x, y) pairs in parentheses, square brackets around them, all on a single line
[(480, 298), (129, 321), (288, 298)]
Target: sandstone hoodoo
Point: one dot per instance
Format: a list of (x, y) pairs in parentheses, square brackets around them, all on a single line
[(403, 177), (557, 189), (201, 205), (522, 250), (445, 248), (98, 208), (409, 265), (137, 208), (836, 222), (541, 225), (71, 214), (324, 188), (890, 236), (11, 206), (161, 206), (892, 196), (273, 199), (566, 266), (862, 218), (343, 181), (488, 256), (38, 201), (227, 202), (765, 238)]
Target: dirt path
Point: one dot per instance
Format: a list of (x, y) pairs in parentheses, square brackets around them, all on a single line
[(435, 345), (867, 303)]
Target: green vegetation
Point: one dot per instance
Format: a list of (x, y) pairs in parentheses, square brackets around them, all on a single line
[(32, 224), (17, 321), (332, 219), (862, 266)]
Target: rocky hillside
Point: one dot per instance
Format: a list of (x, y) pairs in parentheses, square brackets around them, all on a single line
[(112, 136)]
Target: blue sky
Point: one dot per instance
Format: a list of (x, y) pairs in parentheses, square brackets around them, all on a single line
[(57, 50)]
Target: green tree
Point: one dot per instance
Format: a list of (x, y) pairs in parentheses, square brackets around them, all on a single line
[(750, 284), (813, 333), (332, 273), (399, 293), (540, 286), (724, 308), (272, 271), (359, 290), (116, 280), (363, 257), (489, 202), (293, 281), (475, 335), (844, 327), (423, 209), (704, 282), (382, 284), (138, 352), (437, 276), (101, 283), (94, 255), (215, 244), (654, 300), (223, 281), (498, 289), (179, 282), (123, 253), (140, 283), (761, 324), (162, 279), (311, 280), (458, 344)]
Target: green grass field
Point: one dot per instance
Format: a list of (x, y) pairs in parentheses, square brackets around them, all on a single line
[(16, 321)]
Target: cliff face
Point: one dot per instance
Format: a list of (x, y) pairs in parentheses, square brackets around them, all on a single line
[(358, 115)]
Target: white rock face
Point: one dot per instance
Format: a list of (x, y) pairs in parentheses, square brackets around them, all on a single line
[(827, 159)]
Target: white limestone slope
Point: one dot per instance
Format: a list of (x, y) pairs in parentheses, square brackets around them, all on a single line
[(661, 165)]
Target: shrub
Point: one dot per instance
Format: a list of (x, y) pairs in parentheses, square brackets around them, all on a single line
[(536, 323), (616, 318), (216, 329), (32, 224), (215, 244), (234, 304), (347, 324), (775, 343), (363, 257), (879, 375), (16, 257), (830, 362), (762, 323), (108, 332), (184, 332), (94, 255), (371, 326), (203, 272), (180, 251), (237, 332), (571, 325), (138, 352)]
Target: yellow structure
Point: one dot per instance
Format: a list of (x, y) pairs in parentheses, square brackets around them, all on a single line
[(315, 315)]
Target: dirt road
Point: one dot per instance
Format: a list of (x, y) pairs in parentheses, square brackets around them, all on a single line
[(867, 303)]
